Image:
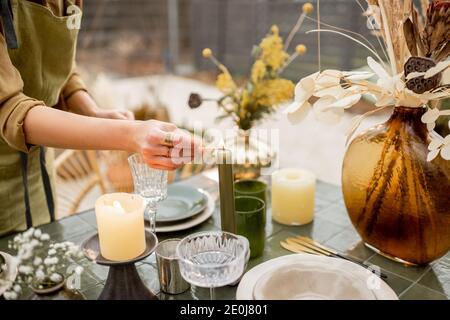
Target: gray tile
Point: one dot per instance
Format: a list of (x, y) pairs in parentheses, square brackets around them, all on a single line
[(398, 284), (319, 229), (66, 228), (350, 243), (272, 248), (408, 272), (149, 276), (438, 277), (337, 213), (98, 272), (328, 191), (419, 292), (94, 292), (89, 218)]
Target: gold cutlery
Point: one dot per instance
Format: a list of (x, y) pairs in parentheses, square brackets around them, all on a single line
[(307, 245)]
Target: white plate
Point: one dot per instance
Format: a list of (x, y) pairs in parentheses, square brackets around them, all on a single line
[(191, 222), (9, 274), (249, 280), (312, 280)]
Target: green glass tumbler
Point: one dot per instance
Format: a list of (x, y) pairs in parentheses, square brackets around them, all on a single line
[(251, 188), (251, 222)]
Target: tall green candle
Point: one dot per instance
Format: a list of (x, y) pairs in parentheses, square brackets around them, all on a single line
[(226, 189)]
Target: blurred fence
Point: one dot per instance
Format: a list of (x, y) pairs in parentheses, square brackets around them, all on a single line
[(148, 36)]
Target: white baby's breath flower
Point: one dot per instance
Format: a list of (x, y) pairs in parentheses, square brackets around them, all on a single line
[(37, 261), (10, 295), (26, 270), (45, 237), (17, 288), (50, 261), (55, 277), (39, 275), (51, 252), (27, 235), (37, 233)]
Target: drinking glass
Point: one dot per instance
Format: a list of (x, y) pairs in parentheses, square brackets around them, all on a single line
[(170, 279), (212, 259), (149, 183), (252, 188), (250, 220)]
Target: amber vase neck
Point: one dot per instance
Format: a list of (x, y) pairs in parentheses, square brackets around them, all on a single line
[(408, 113), (410, 118)]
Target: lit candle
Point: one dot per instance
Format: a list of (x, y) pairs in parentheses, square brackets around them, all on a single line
[(120, 222), (293, 196), (226, 190)]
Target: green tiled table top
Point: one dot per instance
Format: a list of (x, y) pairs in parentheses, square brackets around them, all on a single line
[(331, 226)]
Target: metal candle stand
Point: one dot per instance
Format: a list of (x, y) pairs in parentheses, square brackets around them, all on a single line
[(123, 282)]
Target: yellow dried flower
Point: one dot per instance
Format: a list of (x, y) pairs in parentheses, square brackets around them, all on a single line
[(308, 8), (258, 71), (272, 52), (207, 53), (273, 92), (300, 49), (245, 99), (274, 29), (225, 82)]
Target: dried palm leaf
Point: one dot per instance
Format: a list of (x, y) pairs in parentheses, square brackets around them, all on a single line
[(410, 37), (417, 31), (436, 33), (424, 6)]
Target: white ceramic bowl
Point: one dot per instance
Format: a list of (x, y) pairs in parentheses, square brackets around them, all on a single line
[(311, 281)]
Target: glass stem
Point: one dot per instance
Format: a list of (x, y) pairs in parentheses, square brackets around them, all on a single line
[(212, 293), (151, 212)]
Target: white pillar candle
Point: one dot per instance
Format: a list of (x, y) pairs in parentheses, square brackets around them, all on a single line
[(293, 196), (120, 223)]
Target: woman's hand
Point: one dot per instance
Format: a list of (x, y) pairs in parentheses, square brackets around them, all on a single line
[(163, 145), (82, 103)]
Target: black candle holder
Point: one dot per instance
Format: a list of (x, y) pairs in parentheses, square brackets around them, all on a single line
[(123, 282)]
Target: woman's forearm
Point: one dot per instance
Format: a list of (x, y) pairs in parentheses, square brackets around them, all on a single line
[(59, 129), (54, 128)]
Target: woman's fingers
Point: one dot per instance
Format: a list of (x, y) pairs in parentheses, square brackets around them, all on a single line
[(160, 137), (163, 162), (158, 150)]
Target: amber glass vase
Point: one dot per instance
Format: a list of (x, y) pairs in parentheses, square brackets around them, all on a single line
[(398, 202)]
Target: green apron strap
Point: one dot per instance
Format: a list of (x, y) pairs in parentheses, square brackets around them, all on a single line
[(24, 164), (47, 185), (8, 25)]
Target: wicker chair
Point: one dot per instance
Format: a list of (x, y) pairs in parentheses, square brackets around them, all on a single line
[(76, 174)]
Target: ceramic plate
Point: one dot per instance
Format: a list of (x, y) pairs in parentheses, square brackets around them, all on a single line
[(193, 221), (311, 280), (9, 275), (182, 202), (263, 273)]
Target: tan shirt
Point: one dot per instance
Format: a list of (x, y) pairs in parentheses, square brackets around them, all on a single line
[(14, 104)]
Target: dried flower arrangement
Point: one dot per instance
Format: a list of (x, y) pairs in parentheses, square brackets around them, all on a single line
[(266, 89), (411, 75), (39, 262)]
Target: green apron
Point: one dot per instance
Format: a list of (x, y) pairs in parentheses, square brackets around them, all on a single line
[(44, 55)]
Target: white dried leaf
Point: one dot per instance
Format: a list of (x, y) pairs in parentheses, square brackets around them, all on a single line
[(438, 68), (432, 154)]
